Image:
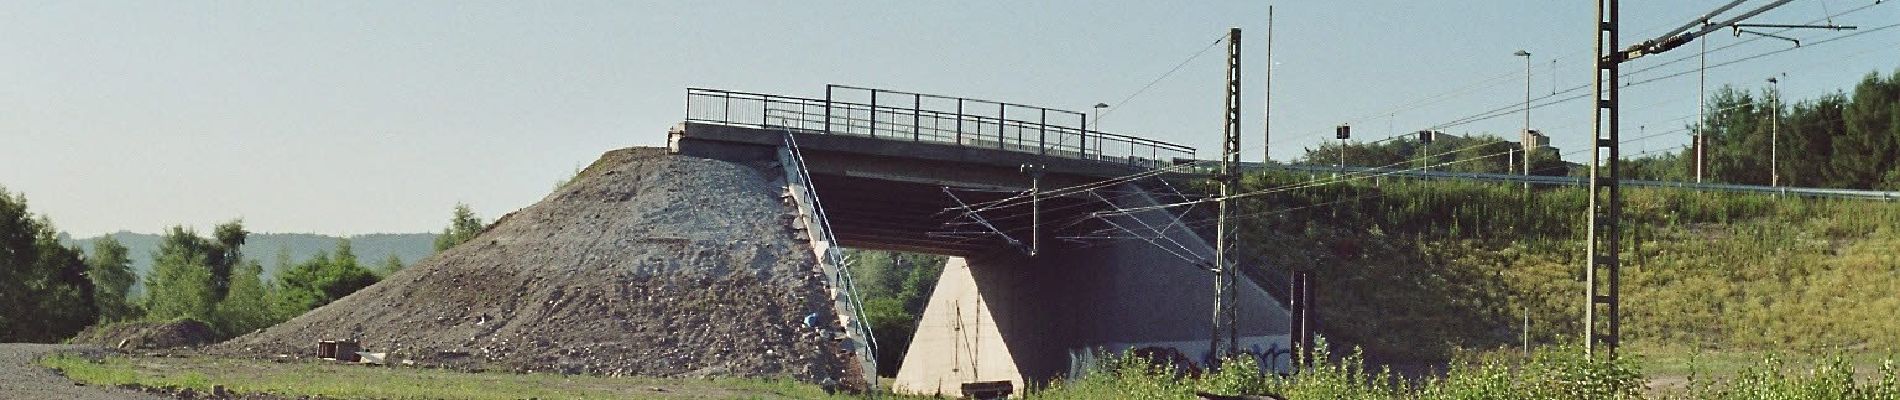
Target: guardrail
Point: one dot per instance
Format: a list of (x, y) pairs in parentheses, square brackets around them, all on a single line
[(1580, 181), (898, 115)]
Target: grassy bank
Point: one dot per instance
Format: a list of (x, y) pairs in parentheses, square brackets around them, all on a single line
[(1420, 270), (1553, 373), (353, 381), (1557, 373)]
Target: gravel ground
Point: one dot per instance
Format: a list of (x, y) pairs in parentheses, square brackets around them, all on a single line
[(22, 378), (647, 264)]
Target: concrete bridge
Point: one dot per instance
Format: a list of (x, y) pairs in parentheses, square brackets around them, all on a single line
[(1031, 292)]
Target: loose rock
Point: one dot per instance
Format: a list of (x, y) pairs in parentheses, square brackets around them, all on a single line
[(646, 264)]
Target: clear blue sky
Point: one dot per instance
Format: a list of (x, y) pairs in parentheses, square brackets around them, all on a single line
[(347, 117)]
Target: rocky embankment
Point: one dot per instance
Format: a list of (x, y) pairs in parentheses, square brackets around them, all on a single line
[(647, 264)]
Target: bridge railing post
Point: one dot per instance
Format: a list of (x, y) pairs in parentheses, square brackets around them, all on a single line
[(1154, 156), (916, 117), (1082, 147), (1002, 126), (873, 112), (828, 107), (1042, 130), (959, 121)]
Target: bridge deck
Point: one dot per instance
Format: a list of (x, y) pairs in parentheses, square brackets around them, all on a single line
[(896, 116)]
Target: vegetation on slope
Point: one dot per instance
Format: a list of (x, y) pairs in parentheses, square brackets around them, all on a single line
[(1418, 269), (895, 287)]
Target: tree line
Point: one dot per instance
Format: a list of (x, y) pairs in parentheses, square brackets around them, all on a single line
[(49, 292), (1839, 140)]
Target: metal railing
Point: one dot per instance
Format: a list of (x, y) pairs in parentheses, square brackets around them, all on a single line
[(832, 262), (918, 117), (1542, 180)]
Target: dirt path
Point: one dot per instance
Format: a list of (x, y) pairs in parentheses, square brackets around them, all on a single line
[(22, 378)]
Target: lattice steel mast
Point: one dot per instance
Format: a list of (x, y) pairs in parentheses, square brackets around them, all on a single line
[(1602, 276), (1225, 276)]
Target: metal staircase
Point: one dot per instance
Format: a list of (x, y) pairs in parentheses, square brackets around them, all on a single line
[(831, 260)]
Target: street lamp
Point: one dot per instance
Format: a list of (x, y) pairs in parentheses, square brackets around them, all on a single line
[(1701, 108), (1774, 135), (1525, 136), (1097, 109)]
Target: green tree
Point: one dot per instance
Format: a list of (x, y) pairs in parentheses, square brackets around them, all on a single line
[(181, 284), (1868, 149), (345, 255), (321, 280), (1737, 126), (463, 226), (246, 307), (224, 256), (895, 288), (299, 286), (1837, 140), (391, 265), (44, 292), (1807, 142), (110, 268)]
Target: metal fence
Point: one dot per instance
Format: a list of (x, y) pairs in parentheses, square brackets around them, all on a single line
[(1319, 170), (918, 117)]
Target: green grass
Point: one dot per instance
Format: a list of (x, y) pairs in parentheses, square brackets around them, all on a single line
[(1551, 373), (351, 381), (1422, 270), (1555, 373), (1727, 364)]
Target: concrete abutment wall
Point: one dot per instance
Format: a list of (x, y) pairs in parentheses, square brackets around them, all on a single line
[(1054, 314)]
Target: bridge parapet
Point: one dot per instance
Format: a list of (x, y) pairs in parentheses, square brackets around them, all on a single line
[(919, 117)]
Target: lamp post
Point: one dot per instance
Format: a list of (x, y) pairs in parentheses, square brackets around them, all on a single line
[(1701, 107), (1525, 136), (1097, 109), (1774, 136)]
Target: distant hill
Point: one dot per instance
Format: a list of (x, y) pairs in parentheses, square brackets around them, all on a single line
[(370, 249)]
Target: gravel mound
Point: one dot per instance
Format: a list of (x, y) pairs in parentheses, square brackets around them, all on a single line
[(646, 264), (148, 335)]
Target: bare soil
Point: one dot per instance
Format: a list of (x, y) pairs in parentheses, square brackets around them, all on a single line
[(21, 377), (647, 264), (136, 335)]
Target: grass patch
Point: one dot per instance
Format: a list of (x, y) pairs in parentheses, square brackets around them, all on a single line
[(1554, 373), (1667, 362), (351, 381), (1418, 271)]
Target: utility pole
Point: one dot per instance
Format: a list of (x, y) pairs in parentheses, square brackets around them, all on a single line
[(1035, 204), (1774, 135), (1266, 103), (1701, 107), (1224, 266), (1525, 136)]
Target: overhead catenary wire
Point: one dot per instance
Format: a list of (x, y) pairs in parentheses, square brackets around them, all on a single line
[(1489, 114), (1372, 173), (1514, 107), (1205, 221), (1164, 76)]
